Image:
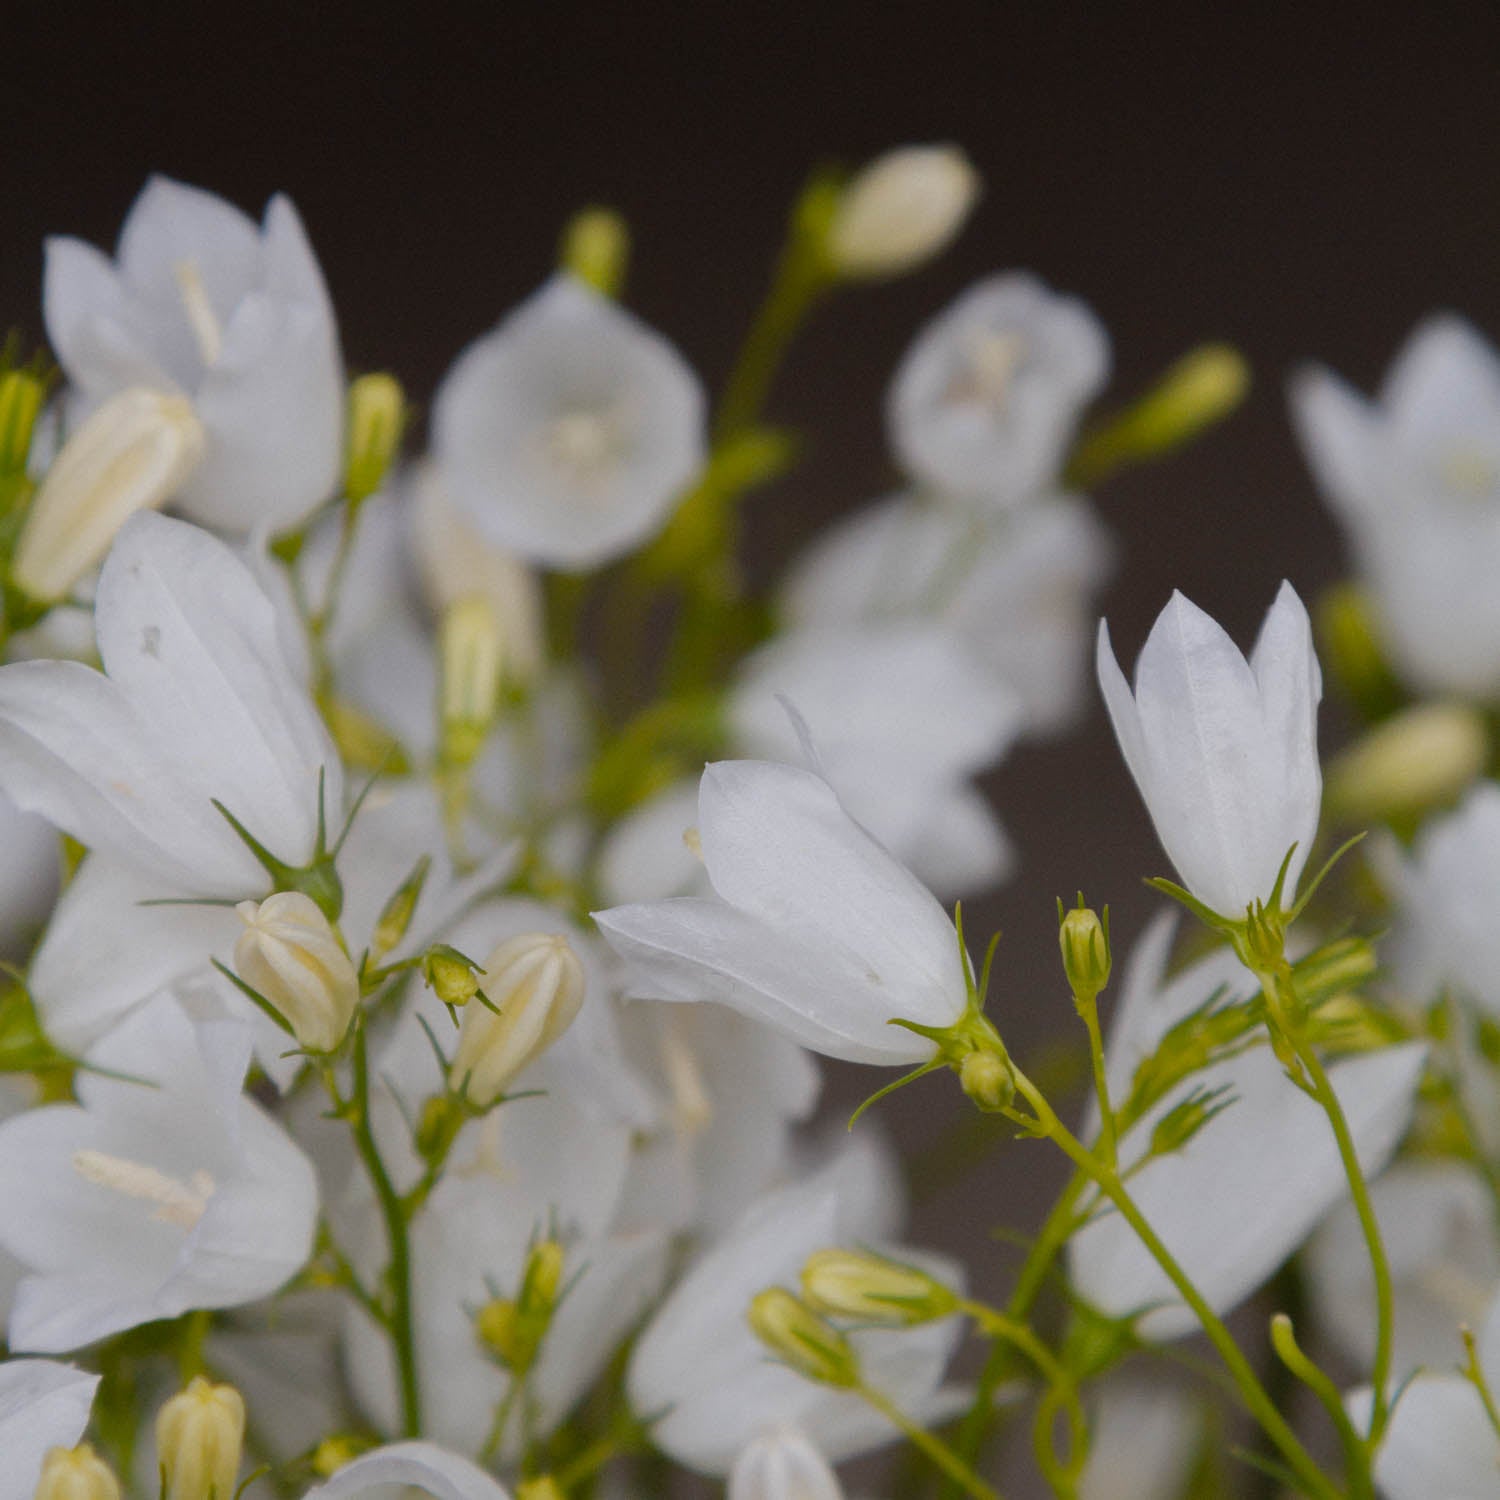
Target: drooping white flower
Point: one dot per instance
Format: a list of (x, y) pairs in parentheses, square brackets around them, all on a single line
[(1223, 751), (1017, 586), (202, 302), (1415, 478), (162, 1190), (43, 1405), (813, 927), (985, 402), (781, 1464), (411, 1466), (568, 432), (902, 209), (1250, 1186)]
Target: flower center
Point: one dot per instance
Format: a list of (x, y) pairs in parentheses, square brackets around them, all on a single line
[(1469, 471), (200, 312), (176, 1202), (990, 368), (581, 446)]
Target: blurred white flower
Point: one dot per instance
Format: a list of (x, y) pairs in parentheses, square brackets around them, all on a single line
[(813, 927), (43, 1405), (162, 1190), (985, 402), (902, 209), (400, 1468), (28, 875), (568, 432), (1224, 751), (201, 302), (1415, 478), (781, 1464), (1143, 1439)]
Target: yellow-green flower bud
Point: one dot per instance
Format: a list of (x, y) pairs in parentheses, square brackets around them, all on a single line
[(596, 249), (1350, 649), (21, 395), (76, 1474), (377, 418), (470, 653), (132, 454), (793, 1332), (290, 954), (855, 1284), (543, 1487), (396, 915), (334, 1452), (535, 984), (1084, 941), (1420, 759), (513, 1330), (986, 1078), (200, 1436), (901, 210), (452, 977)]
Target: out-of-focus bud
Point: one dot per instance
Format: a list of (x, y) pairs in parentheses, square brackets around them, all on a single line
[(596, 249), (362, 740), (396, 915), (452, 977), (200, 1436), (470, 653), (377, 418), (132, 454), (291, 955), (1084, 941), (1184, 1120), (1421, 759), (21, 395), (1350, 650), (513, 1330), (986, 1078), (543, 1487), (334, 1452), (793, 1332), (535, 984), (76, 1474), (854, 1284), (902, 209)]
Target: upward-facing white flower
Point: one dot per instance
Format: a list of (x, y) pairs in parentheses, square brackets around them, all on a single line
[(43, 1405), (985, 402), (568, 431), (201, 301), (1224, 751)]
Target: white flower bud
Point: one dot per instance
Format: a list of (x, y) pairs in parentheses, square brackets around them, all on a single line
[(76, 1474), (470, 653), (200, 1434), (872, 1289), (811, 1345), (377, 418), (902, 209), (535, 982), (132, 454), (1419, 759), (290, 953)]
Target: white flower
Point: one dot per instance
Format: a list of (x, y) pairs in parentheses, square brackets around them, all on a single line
[(568, 432), (163, 1190), (43, 1405), (1250, 1186), (1415, 478), (290, 953), (28, 875), (419, 1466), (813, 927), (984, 404), (1143, 1440), (1224, 751), (1017, 586), (781, 1464), (901, 210), (201, 302)]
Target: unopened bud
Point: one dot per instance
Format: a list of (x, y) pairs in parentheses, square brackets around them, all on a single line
[(535, 983), (543, 1487), (291, 955), (334, 1452), (793, 1332), (902, 209), (132, 454), (1185, 1119), (596, 249), (21, 395), (513, 1330), (76, 1474), (987, 1079), (377, 417), (452, 977), (470, 652), (200, 1435), (1421, 759), (396, 915), (438, 1126), (1084, 941), (854, 1284), (362, 740), (1350, 649)]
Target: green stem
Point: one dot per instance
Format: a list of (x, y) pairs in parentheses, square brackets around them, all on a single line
[(941, 1455), (1088, 1008)]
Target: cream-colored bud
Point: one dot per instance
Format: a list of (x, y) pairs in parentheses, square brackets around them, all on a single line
[(596, 249), (290, 953), (535, 984), (132, 454), (76, 1474), (1418, 760), (813, 1347), (200, 1436), (988, 1080), (377, 417), (470, 653), (855, 1284), (901, 210)]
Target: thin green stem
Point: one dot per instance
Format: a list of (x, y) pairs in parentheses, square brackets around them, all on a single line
[(506, 1406), (941, 1455), (1356, 1459), (1088, 1009)]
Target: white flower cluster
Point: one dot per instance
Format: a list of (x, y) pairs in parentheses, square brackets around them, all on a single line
[(427, 880)]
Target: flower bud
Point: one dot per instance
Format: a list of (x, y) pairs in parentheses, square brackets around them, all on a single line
[(1084, 941), (334, 1452), (854, 1284), (596, 248), (800, 1338), (291, 955), (901, 210), (470, 650), (21, 394), (986, 1078), (452, 977), (396, 915), (1420, 759), (1350, 649), (543, 1487), (535, 982), (200, 1434), (76, 1474), (132, 454), (377, 417), (513, 1330)]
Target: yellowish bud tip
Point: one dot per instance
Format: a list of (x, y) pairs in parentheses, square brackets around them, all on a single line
[(334, 1452), (986, 1078), (543, 1487), (290, 954), (21, 395), (470, 649), (396, 915), (853, 1284), (1420, 759), (76, 1474), (798, 1337), (450, 976), (377, 419), (513, 1330), (901, 210), (1084, 941), (596, 249), (200, 1437)]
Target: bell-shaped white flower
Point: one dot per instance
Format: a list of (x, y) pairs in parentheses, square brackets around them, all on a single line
[(781, 1464), (1224, 751), (901, 210), (812, 927), (43, 1405), (290, 953), (423, 1467), (201, 302), (162, 1190), (1415, 478), (1250, 1186), (196, 704), (568, 432), (984, 404)]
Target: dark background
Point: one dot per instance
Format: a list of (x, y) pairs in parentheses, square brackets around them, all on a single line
[(1303, 183)]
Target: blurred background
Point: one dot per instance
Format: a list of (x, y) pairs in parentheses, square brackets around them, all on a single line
[(1303, 185)]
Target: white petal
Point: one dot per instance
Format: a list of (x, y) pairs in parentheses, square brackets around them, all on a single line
[(97, 333), (423, 1466), (782, 1465), (42, 1405), (1341, 438), (1444, 383), (1440, 1444)]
